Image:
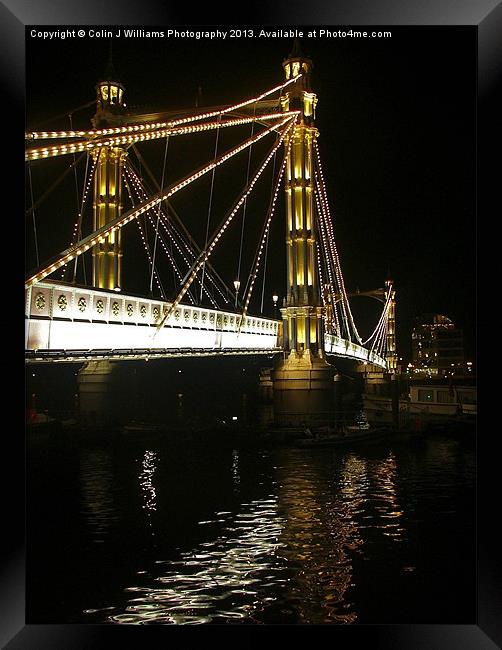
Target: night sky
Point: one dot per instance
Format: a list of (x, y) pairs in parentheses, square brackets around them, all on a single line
[(397, 141)]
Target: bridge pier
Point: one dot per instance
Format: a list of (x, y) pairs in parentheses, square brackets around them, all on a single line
[(105, 393), (303, 391)]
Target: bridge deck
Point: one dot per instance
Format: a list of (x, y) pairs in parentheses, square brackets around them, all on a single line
[(70, 323)]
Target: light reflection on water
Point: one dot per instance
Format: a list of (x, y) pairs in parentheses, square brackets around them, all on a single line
[(97, 496), (220, 578), (289, 553)]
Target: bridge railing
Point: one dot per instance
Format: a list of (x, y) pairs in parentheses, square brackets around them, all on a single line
[(63, 316), (343, 348)]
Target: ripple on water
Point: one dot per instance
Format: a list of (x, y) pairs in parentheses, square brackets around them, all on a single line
[(293, 553)]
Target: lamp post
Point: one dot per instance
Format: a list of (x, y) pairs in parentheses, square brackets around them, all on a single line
[(237, 285), (275, 298)]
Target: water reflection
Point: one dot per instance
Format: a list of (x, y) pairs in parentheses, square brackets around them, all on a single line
[(235, 470), (146, 480), (386, 502), (222, 579), (148, 467), (319, 534), (97, 499), (286, 536)]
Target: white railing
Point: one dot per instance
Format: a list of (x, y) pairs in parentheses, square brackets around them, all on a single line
[(344, 348), (64, 317)]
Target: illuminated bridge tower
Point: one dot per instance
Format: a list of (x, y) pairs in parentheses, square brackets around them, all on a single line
[(391, 356), (107, 256), (102, 385), (303, 380)]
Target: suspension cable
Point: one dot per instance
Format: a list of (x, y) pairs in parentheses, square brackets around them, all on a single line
[(142, 231), (78, 234), (48, 191), (266, 228), (209, 209), (46, 151), (78, 202), (266, 245), (158, 213), (219, 232), (329, 225), (245, 203), (44, 135), (172, 234), (33, 216)]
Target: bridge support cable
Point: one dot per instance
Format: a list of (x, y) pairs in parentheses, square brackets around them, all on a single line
[(329, 226), (378, 339), (173, 235), (42, 153), (225, 223), (158, 213), (332, 257), (100, 234), (209, 211), (144, 238), (169, 252), (176, 230), (141, 128), (331, 269), (34, 220), (77, 226), (34, 135), (77, 231), (50, 189), (238, 276), (265, 232), (268, 237)]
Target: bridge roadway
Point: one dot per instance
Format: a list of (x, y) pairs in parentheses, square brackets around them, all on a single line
[(65, 322)]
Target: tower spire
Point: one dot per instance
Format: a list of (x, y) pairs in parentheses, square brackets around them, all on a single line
[(296, 52), (110, 73)]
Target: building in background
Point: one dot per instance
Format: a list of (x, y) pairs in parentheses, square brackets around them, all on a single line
[(437, 347)]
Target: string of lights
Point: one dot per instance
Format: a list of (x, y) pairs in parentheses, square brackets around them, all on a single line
[(332, 260), (143, 238), (329, 224), (78, 147), (378, 338), (332, 270), (271, 212), (172, 233), (138, 128), (100, 234), (168, 253), (209, 249), (88, 179)]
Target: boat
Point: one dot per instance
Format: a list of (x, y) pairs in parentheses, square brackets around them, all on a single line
[(427, 404), (139, 428), (443, 401), (344, 437), (344, 434)]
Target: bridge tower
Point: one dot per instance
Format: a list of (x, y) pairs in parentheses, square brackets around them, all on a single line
[(101, 384), (303, 381), (391, 356), (107, 255)]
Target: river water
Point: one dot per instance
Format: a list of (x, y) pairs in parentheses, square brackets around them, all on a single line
[(158, 531)]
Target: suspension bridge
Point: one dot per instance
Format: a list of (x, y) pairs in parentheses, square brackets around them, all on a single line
[(202, 313)]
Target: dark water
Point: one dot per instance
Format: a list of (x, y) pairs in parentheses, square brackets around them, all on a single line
[(158, 532)]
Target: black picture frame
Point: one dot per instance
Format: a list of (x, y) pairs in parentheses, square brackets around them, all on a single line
[(487, 17)]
